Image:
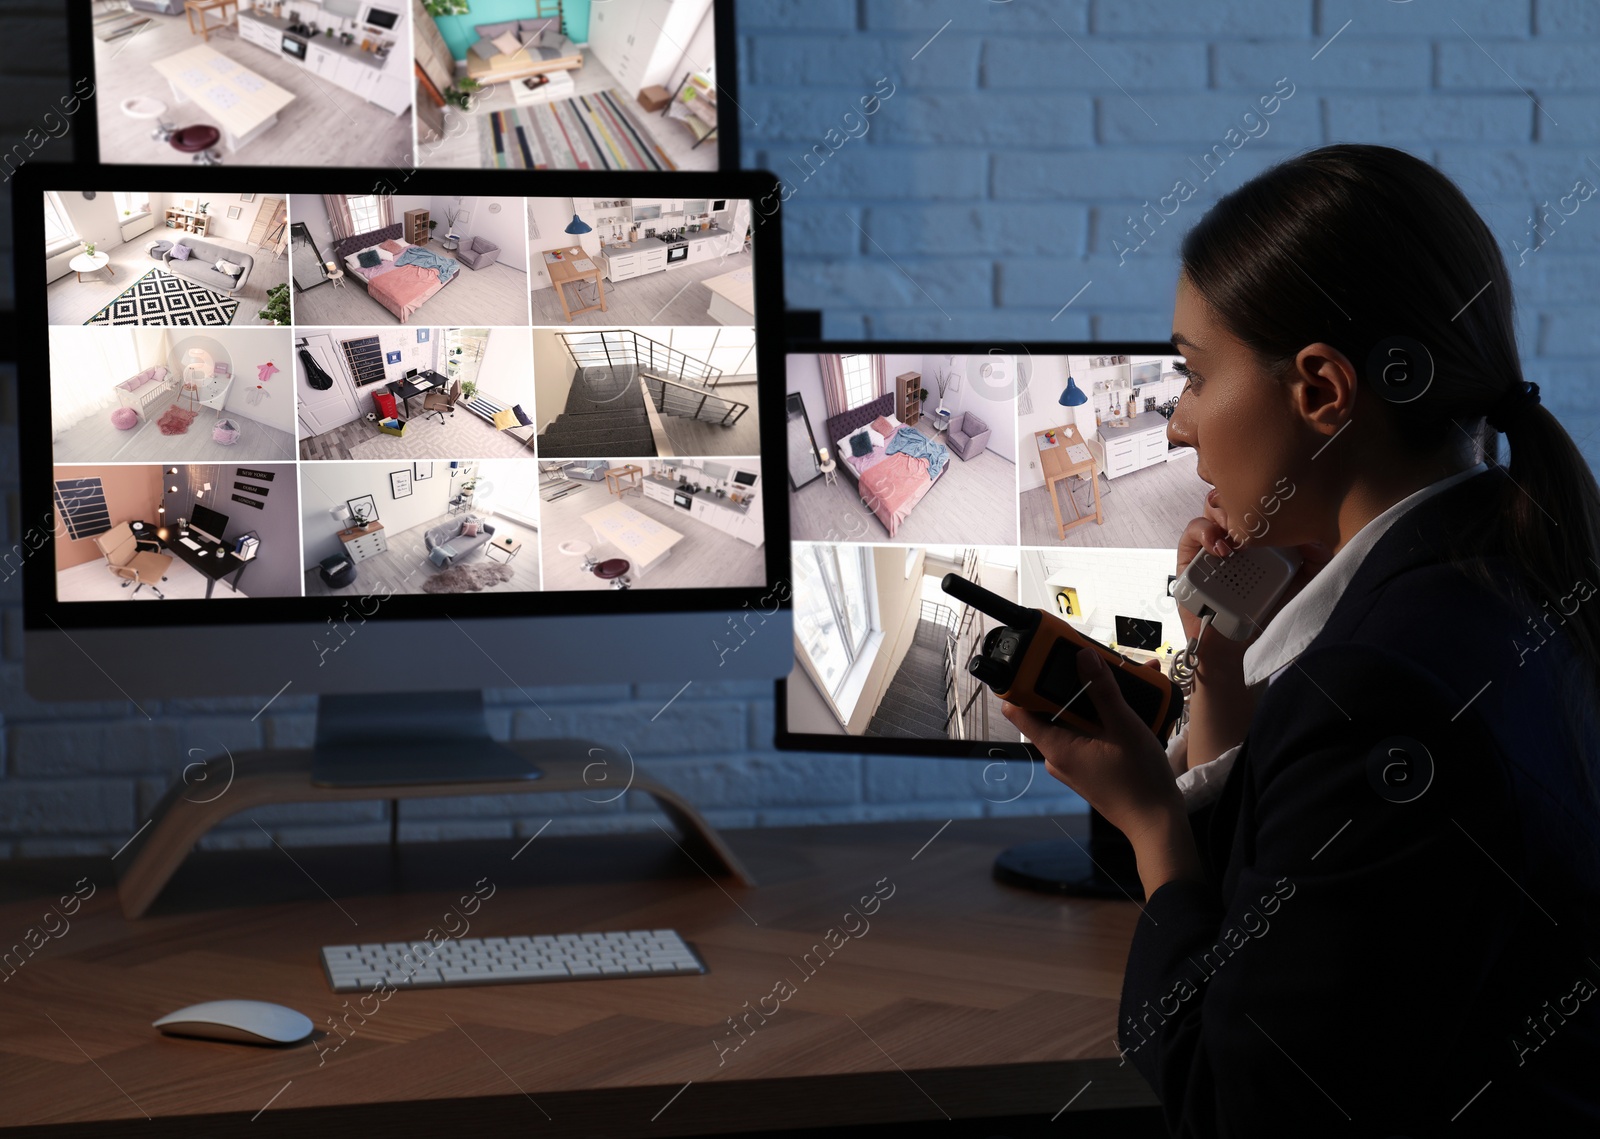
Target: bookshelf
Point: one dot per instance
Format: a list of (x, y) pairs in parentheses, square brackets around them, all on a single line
[(908, 397), (417, 227), (190, 221)]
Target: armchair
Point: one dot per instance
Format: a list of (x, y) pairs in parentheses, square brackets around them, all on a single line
[(478, 253), (137, 561), (968, 436)]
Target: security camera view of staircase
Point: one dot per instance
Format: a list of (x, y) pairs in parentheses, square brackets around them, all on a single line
[(636, 396), (883, 651)]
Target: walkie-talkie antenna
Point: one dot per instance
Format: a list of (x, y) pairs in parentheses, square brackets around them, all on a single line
[(981, 599)]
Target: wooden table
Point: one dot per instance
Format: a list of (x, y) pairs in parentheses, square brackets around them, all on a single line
[(732, 297), (193, 8), (1057, 465), (91, 263), (563, 273), (615, 476), (244, 105), (638, 537), (508, 546), (989, 999)]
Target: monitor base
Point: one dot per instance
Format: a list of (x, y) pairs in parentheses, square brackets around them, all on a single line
[(194, 805), (1104, 867)]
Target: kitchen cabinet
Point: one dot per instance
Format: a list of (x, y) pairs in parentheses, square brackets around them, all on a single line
[(640, 44), (653, 260), (656, 492), (383, 82), (1142, 443), (258, 33), (622, 266)]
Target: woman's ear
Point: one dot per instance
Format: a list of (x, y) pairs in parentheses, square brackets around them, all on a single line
[(1323, 387)]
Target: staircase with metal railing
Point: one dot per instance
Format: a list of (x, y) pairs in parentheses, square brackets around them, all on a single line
[(967, 700)]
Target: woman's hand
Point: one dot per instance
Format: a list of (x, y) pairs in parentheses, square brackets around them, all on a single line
[(1122, 773)]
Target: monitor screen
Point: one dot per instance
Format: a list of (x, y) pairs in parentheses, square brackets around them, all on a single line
[(242, 356), (207, 522), (635, 85), (905, 462)]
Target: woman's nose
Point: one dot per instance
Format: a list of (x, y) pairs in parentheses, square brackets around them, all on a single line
[(1180, 428)]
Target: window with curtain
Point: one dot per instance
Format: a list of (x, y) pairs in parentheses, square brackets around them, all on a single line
[(86, 364), (365, 213), (59, 232), (833, 607), (130, 204), (860, 382)]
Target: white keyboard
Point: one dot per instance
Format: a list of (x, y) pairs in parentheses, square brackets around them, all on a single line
[(190, 542), (509, 960)]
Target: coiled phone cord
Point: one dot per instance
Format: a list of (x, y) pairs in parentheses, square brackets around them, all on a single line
[(1184, 666)]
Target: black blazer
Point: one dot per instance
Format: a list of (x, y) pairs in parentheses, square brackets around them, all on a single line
[(1398, 933)]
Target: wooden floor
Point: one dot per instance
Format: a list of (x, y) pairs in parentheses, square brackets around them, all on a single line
[(93, 439), (705, 557), (697, 437), (462, 435), (463, 144), (404, 566), (324, 126), (972, 504), (670, 296), (495, 296), (1146, 509), (73, 302)]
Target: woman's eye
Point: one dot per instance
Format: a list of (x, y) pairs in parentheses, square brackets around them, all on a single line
[(1190, 378)]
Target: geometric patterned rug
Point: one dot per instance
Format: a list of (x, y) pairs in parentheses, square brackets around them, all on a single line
[(587, 132), (460, 436), (158, 297)]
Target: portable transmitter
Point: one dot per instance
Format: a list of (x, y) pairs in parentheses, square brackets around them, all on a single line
[(1030, 660)]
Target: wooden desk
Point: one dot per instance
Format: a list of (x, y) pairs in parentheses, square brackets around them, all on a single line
[(244, 105), (193, 8), (636, 536), (1056, 465), (632, 473), (993, 999), (563, 273)]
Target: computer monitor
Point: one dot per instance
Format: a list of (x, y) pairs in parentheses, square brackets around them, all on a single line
[(207, 522), (908, 461), (582, 500), (639, 85)]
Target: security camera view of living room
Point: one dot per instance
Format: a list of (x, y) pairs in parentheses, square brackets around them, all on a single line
[(567, 84), (170, 395), (611, 261), (676, 523), (918, 449), (643, 392), (153, 532), (408, 259), (457, 526), (306, 83), (1098, 469), (414, 393), (881, 650), (1115, 596), (126, 257)]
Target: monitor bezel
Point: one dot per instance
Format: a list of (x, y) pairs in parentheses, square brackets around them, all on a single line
[(42, 610), (80, 54), (997, 750)]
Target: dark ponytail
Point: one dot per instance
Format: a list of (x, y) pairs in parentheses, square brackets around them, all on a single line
[(1372, 250)]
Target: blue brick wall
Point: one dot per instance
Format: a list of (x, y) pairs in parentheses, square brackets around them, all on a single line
[(973, 202)]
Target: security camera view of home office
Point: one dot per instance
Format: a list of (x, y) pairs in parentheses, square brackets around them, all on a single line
[(507, 84), (1047, 479), (330, 395)]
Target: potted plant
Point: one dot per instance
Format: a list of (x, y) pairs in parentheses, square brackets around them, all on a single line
[(88, 247), (461, 94), (277, 308), (433, 224), (469, 388)]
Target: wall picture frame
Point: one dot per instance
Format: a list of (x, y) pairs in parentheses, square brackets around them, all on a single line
[(363, 509), (400, 484), (234, 212), (247, 197), (422, 469), (392, 357), (422, 335)]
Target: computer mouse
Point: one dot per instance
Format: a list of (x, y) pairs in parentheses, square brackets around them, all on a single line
[(244, 1022)]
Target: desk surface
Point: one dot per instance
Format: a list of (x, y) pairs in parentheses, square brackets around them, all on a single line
[(958, 996)]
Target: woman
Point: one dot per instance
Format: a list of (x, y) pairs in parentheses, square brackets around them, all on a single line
[(1381, 915)]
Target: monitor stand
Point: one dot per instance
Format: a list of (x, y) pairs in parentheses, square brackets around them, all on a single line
[(1104, 867), (418, 745)]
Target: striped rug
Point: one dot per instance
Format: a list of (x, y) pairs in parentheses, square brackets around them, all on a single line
[(598, 131)]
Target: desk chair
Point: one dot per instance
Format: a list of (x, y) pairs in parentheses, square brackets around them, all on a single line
[(137, 561), (441, 403)]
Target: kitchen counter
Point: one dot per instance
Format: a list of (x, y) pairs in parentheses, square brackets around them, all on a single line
[(334, 45), (1144, 421), (706, 495)]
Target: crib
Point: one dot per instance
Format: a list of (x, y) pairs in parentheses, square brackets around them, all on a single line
[(141, 398)]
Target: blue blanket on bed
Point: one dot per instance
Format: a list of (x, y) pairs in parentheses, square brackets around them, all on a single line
[(446, 267), (910, 441)]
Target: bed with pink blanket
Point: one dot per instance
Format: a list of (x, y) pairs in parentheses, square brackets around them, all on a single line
[(890, 485), (402, 289)]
